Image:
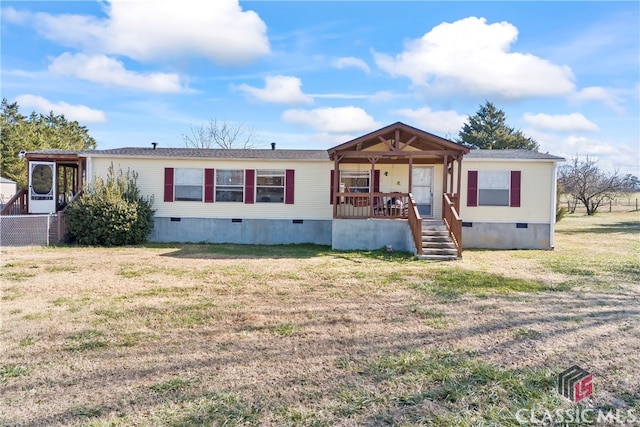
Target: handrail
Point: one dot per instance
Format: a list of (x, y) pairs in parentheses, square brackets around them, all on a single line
[(73, 199), (17, 205), (452, 220), (62, 225), (415, 224), (351, 205)]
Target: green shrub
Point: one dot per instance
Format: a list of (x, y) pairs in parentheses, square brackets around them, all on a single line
[(111, 212)]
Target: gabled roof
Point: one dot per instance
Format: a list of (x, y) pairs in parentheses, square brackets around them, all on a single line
[(421, 139), (511, 154)]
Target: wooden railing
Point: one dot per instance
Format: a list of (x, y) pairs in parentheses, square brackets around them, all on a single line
[(17, 205), (415, 224), (62, 226), (372, 205), (451, 217)]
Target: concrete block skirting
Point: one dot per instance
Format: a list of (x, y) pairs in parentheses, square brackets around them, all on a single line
[(241, 230), (487, 235), (370, 234)]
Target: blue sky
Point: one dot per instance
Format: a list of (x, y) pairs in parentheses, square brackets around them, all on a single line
[(315, 74)]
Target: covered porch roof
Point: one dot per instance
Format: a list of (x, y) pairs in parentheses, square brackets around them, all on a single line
[(398, 143)]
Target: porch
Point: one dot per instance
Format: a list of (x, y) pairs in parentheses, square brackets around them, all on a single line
[(55, 178), (400, 173)]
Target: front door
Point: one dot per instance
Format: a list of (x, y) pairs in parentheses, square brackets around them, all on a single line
[(422, 189), (42, 197)]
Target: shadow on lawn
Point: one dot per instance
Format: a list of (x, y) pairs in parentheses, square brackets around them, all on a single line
[(617, 227), (303, 250)]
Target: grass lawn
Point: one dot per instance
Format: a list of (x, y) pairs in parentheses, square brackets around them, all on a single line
[(189, 335)]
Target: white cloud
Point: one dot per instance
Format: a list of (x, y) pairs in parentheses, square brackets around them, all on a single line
[(608, 97), (351, 62), (279, 90), (111, 72), (438, 122), (80, 113), (610, 155), (218, 30), (10, 15), (574, 122), (472, 56), (333, 120)]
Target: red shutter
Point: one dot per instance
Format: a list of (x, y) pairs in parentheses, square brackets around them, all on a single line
[(249, 185), (514, 199), (472, 188), (289, 186), (376, 181), (208, 186), (168, 184), (331, 187)]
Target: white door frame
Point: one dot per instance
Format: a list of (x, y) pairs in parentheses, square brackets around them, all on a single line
[(423, 198), (41, 200)]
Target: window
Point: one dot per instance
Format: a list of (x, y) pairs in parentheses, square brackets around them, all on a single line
[(229, 185), (270, 186), (493, 188), (188, 185), (355, 181)]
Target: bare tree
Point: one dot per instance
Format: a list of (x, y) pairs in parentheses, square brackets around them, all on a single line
[(588, 184), (220, 134)]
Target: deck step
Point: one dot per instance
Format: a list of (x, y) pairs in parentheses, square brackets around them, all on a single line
[(436, 242), (427, 244), (437, 257)]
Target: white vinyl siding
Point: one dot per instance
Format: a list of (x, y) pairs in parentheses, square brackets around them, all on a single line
[(311, 187), (535, 199)]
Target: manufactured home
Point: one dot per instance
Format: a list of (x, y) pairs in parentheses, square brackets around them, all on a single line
[(397, 187)]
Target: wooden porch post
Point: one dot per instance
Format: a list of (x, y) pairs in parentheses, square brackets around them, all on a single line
[(336, 184), (371, 183), (444, 174), (410, 174), (79, 177), (459, 161), (451, 176)]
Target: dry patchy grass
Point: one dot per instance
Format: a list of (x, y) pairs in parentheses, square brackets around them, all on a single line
[(182, 335)]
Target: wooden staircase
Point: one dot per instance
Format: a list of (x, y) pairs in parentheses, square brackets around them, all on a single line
[(436, 242)]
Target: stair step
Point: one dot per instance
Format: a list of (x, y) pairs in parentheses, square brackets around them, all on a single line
[(439, 251), (444, 232), (431, 244), (437, 257), (436, 238)]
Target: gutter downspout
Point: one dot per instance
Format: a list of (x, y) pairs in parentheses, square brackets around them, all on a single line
[(554, 201)]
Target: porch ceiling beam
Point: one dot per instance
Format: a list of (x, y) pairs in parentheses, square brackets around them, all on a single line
[(408, 143), (386, 142), (366, 154)]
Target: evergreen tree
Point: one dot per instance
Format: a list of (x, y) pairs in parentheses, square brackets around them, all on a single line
[(35, 132), (487, 129)]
